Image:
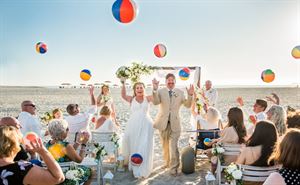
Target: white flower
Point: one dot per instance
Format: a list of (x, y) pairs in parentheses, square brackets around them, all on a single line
[(72, 174), (103, 152), (95, 150), (220, 150), (237, 174), (231, 168)]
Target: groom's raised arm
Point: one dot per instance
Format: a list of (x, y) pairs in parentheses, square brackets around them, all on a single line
[(155, 94), (156, 97)]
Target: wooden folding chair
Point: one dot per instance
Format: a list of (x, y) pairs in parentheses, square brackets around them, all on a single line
[(257, 174)]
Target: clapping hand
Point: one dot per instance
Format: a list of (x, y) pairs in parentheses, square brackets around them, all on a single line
[(82, 137), (190, 90), (36, 146), (155, 84)]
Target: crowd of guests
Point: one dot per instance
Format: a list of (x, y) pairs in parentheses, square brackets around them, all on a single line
[(269, 137)]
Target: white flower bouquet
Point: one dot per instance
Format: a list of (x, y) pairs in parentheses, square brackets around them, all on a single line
[(123, 72), (138, 69), (46, 118), (217, 150), (233, 174), (76, 175), (106, 98), (99, 151), (115, 139)]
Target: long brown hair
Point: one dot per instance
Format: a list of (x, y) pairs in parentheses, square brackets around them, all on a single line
[(265, 135), (236, 120), (287, 151), (136, 84)]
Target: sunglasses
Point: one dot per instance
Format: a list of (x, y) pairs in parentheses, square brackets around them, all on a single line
[(32, 105)]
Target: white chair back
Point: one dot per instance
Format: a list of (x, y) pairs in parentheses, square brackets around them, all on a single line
[(257, 174)]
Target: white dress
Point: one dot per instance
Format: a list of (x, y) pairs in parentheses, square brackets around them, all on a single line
[(138, 138)]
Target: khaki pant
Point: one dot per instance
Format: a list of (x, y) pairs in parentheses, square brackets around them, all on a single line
[(169, 140)]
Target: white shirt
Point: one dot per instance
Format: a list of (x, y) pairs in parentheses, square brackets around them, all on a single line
[(212, 96), (80, 121), (259, 117), (30, 123), (204, 124), (107, 126)]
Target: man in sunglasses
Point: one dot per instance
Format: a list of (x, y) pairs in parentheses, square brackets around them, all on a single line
[(28, 118)]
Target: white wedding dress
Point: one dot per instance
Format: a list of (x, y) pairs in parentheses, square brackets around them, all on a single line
[(138, 138)]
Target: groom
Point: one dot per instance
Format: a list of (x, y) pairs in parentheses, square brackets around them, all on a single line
[(167, 120)]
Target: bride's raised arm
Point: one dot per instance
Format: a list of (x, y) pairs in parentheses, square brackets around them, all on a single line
[(124, 95), (149, 98)]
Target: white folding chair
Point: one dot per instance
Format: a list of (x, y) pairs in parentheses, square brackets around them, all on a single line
[(257, 174), (104, 139), (232, 150)]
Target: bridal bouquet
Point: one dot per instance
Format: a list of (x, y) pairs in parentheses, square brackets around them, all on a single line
[(76, 175), (106, 98), (123, 72), (46, 118), (115, 139), (233, 174), (99, 151)]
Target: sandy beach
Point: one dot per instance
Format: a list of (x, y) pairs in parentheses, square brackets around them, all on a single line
[(47, 99)]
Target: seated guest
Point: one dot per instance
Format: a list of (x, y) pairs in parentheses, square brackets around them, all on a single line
[(28, 119), (62, 150), (260, 145), (293, 119), (235, 131), (277, 115), (104, 123), (80, 121), (286, 154), (212, 121), (23, 172)]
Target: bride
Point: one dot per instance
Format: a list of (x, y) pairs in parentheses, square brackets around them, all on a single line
[(138, 136)]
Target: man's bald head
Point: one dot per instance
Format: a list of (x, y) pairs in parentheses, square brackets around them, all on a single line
[(208, 84), (10, 121), (28, 106)]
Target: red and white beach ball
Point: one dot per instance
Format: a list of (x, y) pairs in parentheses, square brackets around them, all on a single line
[(41, 47), (124, 11), (160, 50)]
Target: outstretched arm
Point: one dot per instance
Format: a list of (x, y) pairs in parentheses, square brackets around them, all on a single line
[(93, 99), (155, 95), (124, 95)]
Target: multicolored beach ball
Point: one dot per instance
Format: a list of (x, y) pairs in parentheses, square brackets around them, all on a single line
[(30, 137), (136, 159), (124, 10), (207, 141), (296, 52), (85, 74), (184, 73), (41, 47), (160, 50), (268, 75)]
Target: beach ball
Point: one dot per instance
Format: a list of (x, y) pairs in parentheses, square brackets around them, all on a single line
[(30, 137), (184, 73), (41, 47), (296, 52), (124, 10), (136, 159), (85, 74), (252, 119), (207, 141), (268, 75), (160, 50), (57, 150)]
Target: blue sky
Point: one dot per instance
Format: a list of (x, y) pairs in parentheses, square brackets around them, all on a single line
[(232, 40)]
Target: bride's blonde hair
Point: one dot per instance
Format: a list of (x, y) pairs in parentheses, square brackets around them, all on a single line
[(136, 84)]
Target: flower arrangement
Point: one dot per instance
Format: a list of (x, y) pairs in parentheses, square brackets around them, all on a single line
[(99, 151), (76, 175), (106, 98), (218, 151), (134, 72), (123, 72), (233, 174), (46, 118), (115, 139)]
